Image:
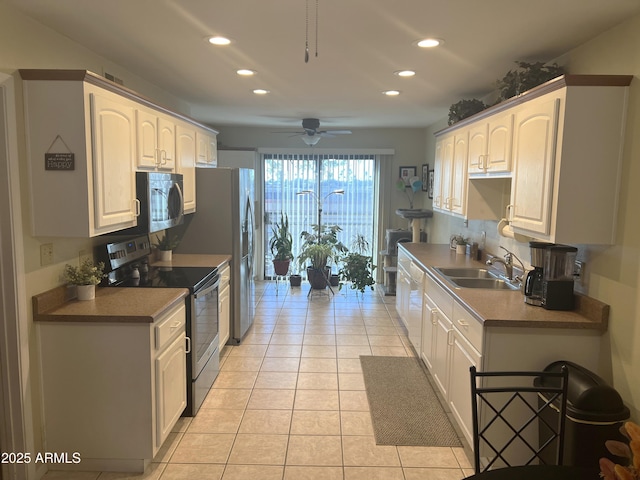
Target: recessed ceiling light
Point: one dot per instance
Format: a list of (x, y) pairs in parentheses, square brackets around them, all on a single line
[(218, 40), (260, 91), (405, 73), (245, 72), (391, 93), (430, 42)]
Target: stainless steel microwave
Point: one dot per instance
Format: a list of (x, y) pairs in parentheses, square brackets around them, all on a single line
[(161, 202)]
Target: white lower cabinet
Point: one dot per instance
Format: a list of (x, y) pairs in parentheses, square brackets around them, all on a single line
[(112, 391), (224, 306)]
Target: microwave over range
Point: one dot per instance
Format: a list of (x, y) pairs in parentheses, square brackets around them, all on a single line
[(161, 202)]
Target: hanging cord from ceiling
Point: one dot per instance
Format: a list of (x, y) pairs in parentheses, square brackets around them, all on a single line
[(306, 37)]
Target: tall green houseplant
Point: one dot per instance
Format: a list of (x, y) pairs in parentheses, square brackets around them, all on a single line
[(281, 245), (320, 247)]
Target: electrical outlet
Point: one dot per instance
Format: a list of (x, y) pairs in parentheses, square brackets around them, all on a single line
[(578, 270), (46, 254)]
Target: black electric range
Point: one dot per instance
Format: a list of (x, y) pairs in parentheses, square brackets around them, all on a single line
[(127, 265)]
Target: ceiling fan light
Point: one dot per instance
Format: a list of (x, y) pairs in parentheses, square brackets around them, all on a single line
[(245, 72), (218, 40), (404, 73), (310, 140), (429, 42)]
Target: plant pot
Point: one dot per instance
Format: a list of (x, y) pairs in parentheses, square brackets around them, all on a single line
[(86, 292), (164, 255), (295, 280), (334, 280), (461, 249), (317, 278), (281, 267)]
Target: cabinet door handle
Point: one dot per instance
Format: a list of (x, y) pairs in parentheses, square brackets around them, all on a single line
[(434, 316), (509, 212), (138, 208), (188, 350), (175, 325), (163, 157), (464, 324), (450, 337), (487, 164)]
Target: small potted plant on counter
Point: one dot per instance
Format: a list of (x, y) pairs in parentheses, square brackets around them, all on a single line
[(281, 244), (85, 277), (165, 246)]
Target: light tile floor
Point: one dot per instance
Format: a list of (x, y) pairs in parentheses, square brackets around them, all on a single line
[(289, 403)]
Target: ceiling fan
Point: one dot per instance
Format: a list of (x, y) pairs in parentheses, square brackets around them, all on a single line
[(312, 135)]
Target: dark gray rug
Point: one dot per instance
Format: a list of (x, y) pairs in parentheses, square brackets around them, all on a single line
[(404, 408)]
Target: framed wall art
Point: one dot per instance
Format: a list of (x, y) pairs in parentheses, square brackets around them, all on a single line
[(406, 173), (425, 177), (430, 184)]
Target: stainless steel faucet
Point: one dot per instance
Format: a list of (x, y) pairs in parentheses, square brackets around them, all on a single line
[(508, 266), (507, 262)]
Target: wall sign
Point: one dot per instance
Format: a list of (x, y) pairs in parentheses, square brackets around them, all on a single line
[(59, 161)]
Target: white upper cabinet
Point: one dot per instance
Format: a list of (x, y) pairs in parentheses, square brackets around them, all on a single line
[(186, 164), (551, 157), (567, 163), (490, 145), (206, 149), (86, 137), (94, 193), (115, 200), (156, 141), (450, 174), (534, 148)]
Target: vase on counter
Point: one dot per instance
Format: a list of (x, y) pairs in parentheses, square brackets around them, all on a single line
[(86, 292), (164, 255), (461, 249)]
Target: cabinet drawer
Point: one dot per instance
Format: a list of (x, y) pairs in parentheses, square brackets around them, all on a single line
[(440, 297), (468, 326), (170, 326)]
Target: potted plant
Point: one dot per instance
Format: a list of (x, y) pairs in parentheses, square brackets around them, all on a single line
[(459, 243), (320, 247), (357, 268), (280, 245), (165, 246), (85, 277), (526, 77)]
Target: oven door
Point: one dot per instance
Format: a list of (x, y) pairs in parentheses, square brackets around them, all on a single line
[(204, 326)]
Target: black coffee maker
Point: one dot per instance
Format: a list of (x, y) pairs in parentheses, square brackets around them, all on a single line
[(533, 283), (557, 283)]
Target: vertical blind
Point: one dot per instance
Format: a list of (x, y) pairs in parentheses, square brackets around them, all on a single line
[(354, 211)]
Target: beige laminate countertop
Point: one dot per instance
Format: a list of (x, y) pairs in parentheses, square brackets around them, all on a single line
[(505, 308), (112, 304), (195, 260)]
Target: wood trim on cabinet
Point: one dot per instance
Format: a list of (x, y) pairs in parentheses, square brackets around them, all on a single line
[(547, 87), (95, 79)]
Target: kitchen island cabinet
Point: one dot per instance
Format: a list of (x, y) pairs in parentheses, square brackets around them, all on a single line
[(492, 329), (113, 375)]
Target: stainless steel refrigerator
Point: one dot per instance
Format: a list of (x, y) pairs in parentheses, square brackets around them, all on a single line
[(224, 223)]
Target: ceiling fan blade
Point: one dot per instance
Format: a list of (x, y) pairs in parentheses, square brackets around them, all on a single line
[(336, 132)]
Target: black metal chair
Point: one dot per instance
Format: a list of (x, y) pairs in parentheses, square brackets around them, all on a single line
[(518, 418)]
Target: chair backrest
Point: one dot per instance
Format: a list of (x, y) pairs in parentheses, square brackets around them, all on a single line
[(518, 418)]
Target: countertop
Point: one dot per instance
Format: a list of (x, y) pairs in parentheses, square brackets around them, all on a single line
[(195, 260), (505, 308), (112, 304)]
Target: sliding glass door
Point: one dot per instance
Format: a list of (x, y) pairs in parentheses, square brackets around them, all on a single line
[(335, 189)]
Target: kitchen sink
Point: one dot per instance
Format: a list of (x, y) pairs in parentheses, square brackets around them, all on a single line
[(466, 272), (466, 277), (491, 283)]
